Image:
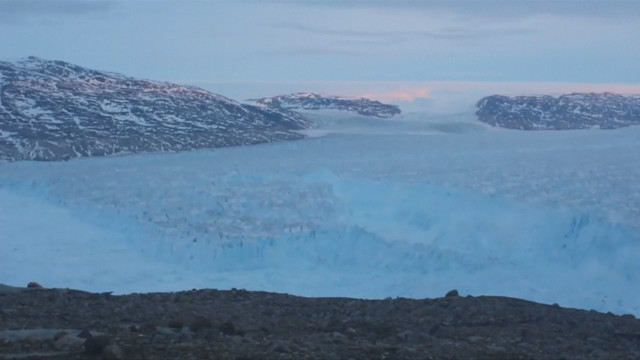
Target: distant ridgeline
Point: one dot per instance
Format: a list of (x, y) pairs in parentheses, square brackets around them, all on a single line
[(53, 110), (311, 101), (572, 111)]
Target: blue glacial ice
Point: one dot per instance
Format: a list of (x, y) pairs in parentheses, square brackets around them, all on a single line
[(551, 217)]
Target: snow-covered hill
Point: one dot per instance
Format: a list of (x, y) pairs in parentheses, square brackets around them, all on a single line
[(572, 111), (53, 110), (311, 101)]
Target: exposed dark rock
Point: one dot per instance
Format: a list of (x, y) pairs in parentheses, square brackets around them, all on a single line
[(279, 326), (34, 285), (452, 293), (95, 344), (135, 328), (84, 334), (227, 328), (69, 342), (112, 352), (572, 111), (175, 324), (280, 347), (60, 335), (200, 322)]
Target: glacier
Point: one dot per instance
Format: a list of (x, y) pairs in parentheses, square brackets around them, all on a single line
[(411, 208)]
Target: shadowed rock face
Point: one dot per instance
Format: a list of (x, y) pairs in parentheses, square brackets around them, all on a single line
[(53, 110), (573, 111), (310, 101)]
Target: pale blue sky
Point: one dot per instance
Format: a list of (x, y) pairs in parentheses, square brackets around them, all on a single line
[(240, 42)]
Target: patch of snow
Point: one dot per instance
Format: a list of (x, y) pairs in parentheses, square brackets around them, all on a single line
[(113, 107), (76, 120), (6, 134), (29, 108)]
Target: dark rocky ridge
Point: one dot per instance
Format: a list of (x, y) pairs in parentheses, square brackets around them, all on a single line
[(311, 101), (572, 111), (239, 324), (53, 110)]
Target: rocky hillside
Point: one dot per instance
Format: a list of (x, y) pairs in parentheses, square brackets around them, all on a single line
[(572, 111), (53, 110), (310, 101), (237, 324)]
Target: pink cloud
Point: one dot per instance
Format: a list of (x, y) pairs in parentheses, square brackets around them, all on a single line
[(395, 91), (524, 88), (438, 92), (406, 94)]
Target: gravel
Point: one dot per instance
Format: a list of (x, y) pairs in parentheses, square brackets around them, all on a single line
[(244, 325)]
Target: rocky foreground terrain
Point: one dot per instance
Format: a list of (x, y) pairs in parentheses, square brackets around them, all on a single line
[(53, 110), (211, 324), (311, 101), (571, 111)]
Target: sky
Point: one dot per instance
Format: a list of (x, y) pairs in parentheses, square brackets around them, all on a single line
[(396, 50)]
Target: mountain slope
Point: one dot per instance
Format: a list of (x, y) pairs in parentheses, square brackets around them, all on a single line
[(53, 110), (572, 111), (311, 101)]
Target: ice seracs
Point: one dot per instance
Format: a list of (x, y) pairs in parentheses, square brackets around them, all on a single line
[(535, 215)]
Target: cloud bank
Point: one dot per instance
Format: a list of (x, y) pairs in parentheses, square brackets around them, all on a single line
[(493, 8), (16, 10)]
